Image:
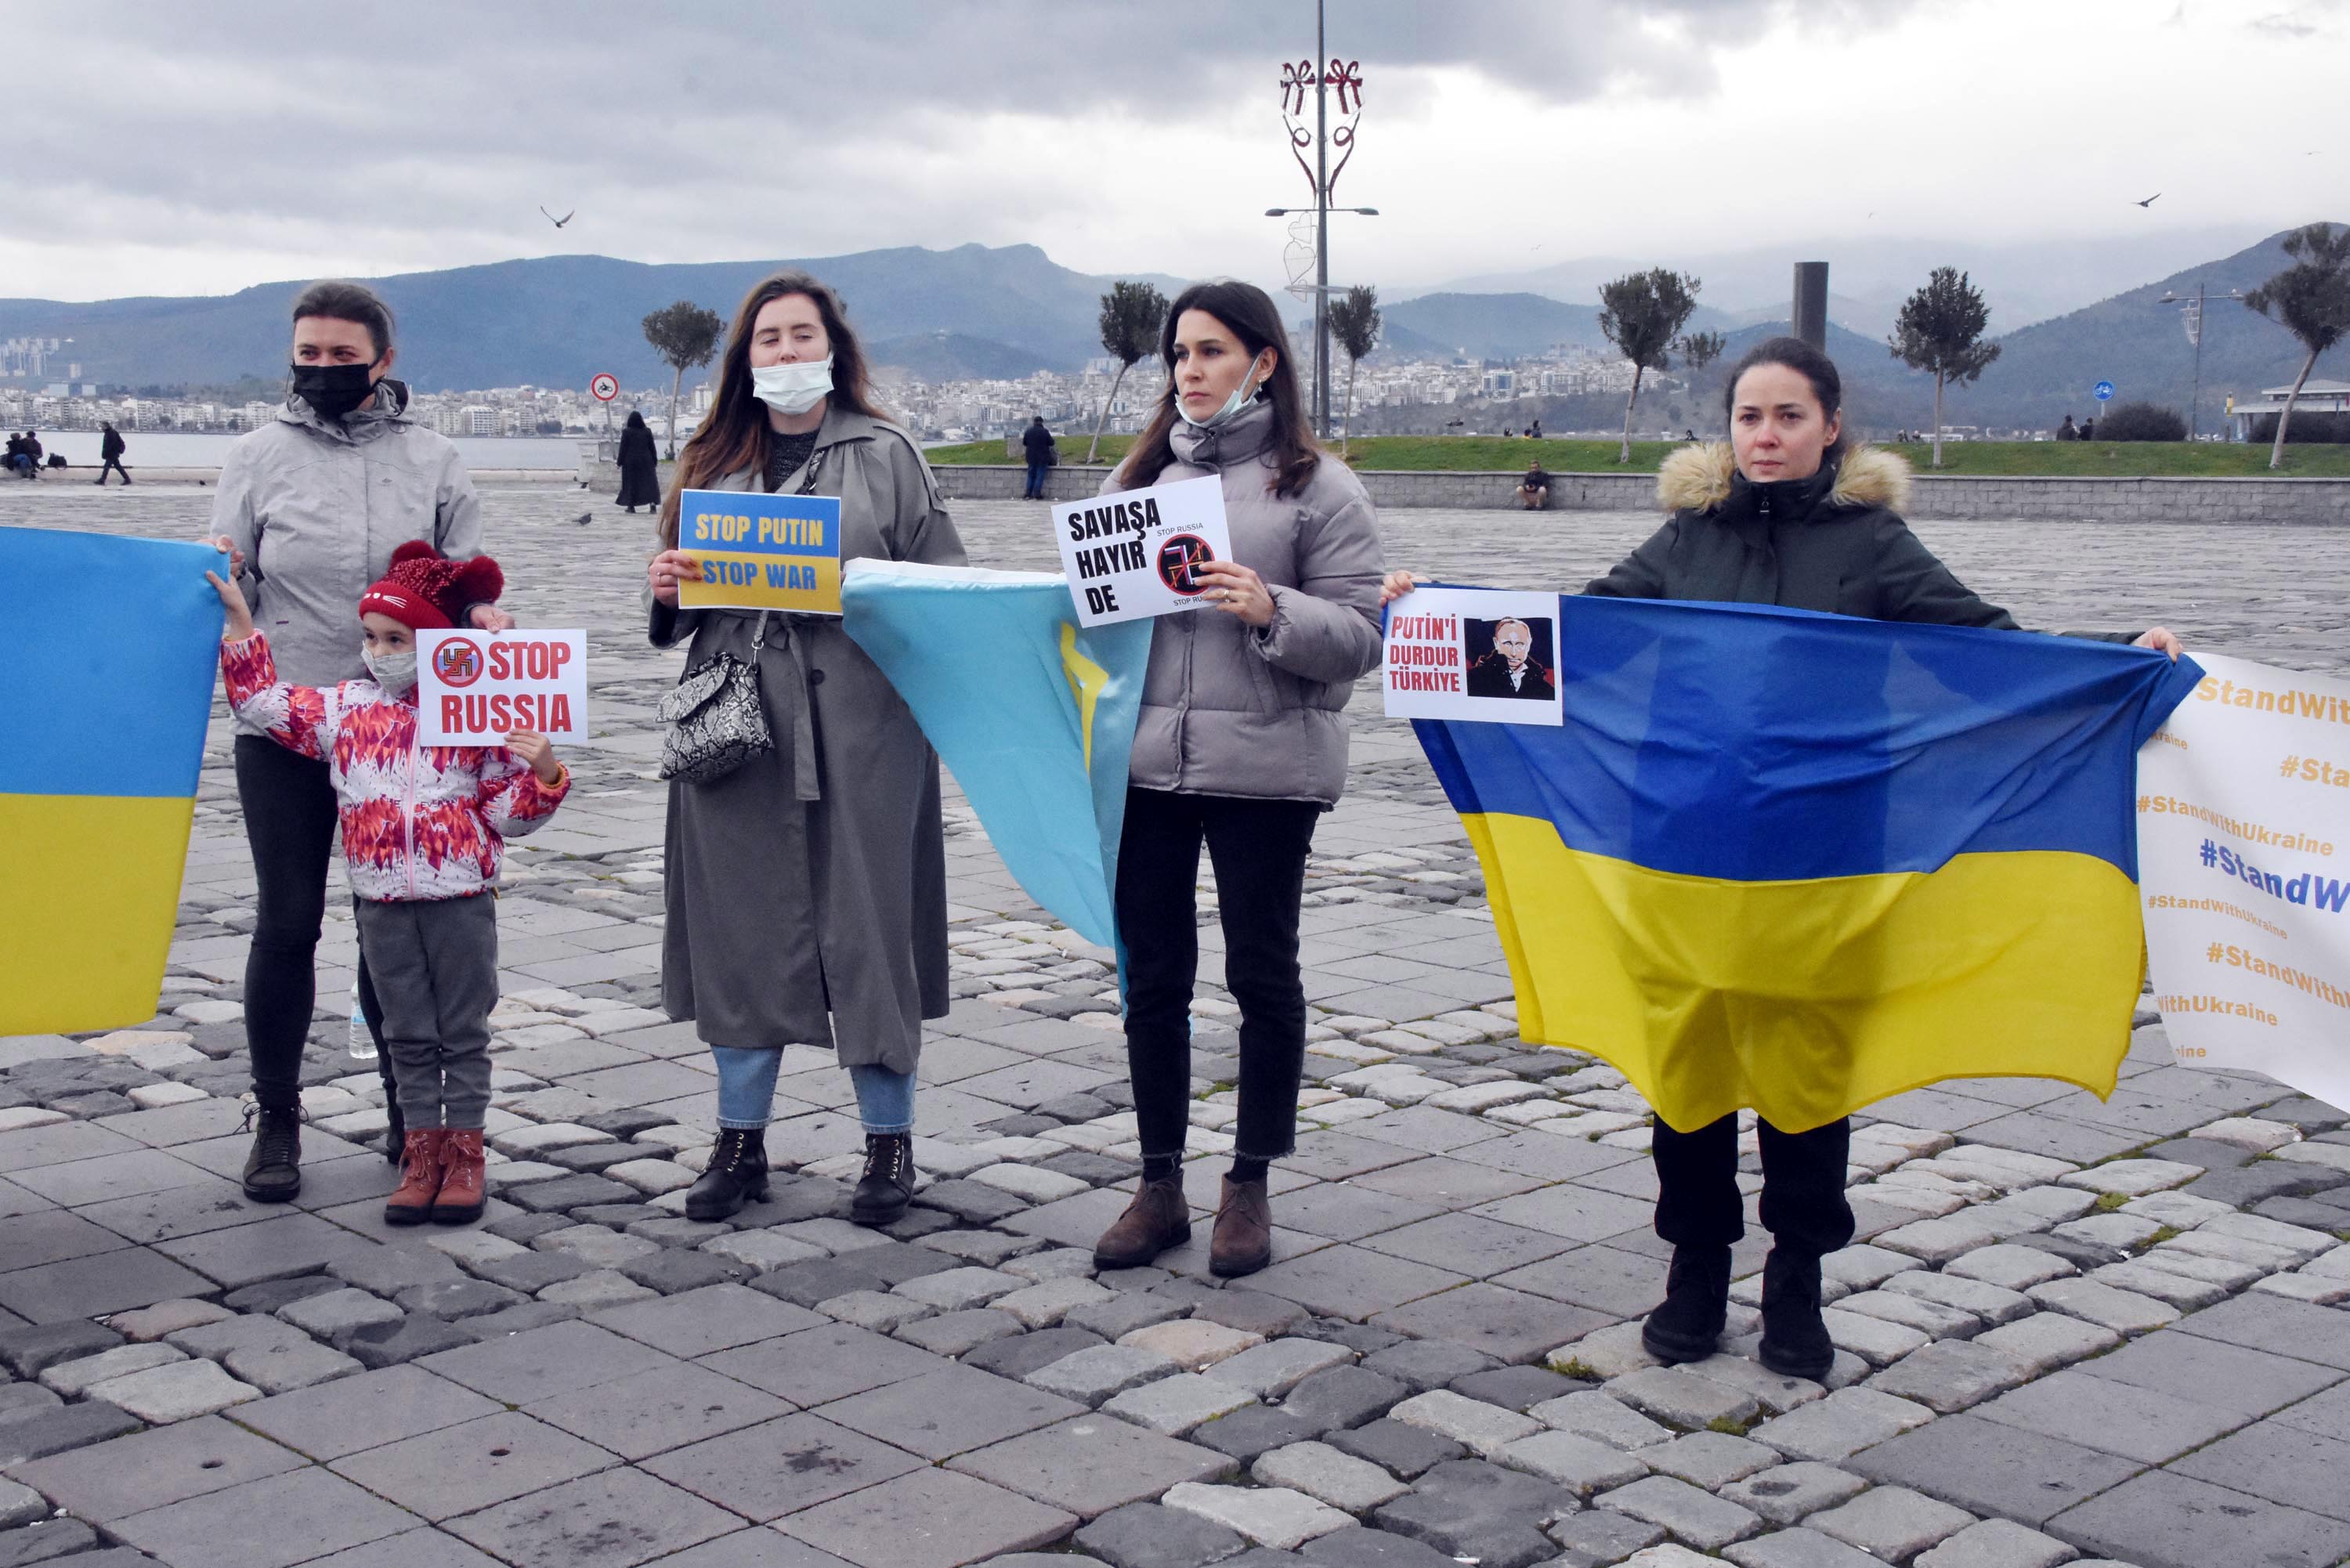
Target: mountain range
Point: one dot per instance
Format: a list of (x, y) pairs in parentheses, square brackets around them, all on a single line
[(1006, 312), (556, 321)]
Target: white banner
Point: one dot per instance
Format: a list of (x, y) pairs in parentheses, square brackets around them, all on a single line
[(1135, 555), (474, 687), (1483, 654), (2243, 843)]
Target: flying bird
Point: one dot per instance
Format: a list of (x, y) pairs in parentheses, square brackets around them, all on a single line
[(558, 223), (2150, 200)]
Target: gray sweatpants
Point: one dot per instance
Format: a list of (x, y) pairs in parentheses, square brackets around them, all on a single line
[(435, 967)]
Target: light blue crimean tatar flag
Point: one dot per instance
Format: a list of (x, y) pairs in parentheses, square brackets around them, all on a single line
[(1032, 714)]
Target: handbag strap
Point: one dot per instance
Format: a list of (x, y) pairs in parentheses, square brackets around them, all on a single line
[(759, 638)]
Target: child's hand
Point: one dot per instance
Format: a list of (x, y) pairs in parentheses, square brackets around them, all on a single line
[(539, 752), (239, 624)]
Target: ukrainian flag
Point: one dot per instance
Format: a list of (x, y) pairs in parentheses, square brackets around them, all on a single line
[(1032, 714), (1800, 862), (108, 655)]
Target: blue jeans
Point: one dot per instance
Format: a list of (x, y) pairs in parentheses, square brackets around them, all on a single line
[(1036, 471), (746, 1091)]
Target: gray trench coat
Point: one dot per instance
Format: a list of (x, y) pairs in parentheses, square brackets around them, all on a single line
[(807, 890)]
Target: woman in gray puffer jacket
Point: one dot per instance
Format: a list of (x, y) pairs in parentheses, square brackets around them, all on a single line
[(1239, 743)]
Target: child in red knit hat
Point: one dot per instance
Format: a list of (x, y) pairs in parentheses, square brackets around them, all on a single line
[(423, 830)]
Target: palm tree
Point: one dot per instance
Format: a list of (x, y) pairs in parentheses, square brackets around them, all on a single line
[(1354, 322)]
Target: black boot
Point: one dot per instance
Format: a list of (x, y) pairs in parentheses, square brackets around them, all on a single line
[(1794, 1338), (273, 1171), (737, 1175), (1686, 1325), (888, 1185), (395, 1137)]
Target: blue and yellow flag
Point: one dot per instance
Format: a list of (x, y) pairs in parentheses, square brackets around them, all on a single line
[(1032, 714), (108, 654), (1800, 861)]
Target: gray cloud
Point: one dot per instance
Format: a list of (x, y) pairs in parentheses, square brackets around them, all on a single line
[(428, 132)]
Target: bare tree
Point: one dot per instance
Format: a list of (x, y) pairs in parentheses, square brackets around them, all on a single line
[(1941, 329), (685, 335), (1641, 313), (1354, 322), (2312, 299), (1131, 315)]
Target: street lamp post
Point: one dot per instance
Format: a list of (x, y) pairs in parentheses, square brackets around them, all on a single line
[(2191, 310), (1322, 73)]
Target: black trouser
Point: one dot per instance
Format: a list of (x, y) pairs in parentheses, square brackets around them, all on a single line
[(1804, 1205), (290, 821), (113, 465), (1258, 848)]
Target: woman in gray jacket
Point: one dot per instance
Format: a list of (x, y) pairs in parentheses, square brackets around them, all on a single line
[(1240, 744), (309, 509), (806, 890)]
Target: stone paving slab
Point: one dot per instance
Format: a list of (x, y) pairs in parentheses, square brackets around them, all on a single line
[(2118, 1327)]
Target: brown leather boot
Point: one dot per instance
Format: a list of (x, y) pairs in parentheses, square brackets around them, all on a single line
[(461, 1178), (1156, 1220), (1242, 1242), (411, 1202)]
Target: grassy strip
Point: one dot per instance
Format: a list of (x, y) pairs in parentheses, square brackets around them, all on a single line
[(2028, 459)]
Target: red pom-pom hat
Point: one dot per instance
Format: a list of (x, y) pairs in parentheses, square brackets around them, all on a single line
[(425, 591)]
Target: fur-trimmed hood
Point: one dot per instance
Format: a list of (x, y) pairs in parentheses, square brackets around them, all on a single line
[(1698, 479)]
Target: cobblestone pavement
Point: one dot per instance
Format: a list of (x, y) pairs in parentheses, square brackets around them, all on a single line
[(2070, 1331)]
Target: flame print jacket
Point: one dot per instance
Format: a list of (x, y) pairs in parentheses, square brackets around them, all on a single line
[(419, 822)]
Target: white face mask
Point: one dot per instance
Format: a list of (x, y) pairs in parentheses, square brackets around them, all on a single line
[(793, 388), (395, 672), (1243, 395)]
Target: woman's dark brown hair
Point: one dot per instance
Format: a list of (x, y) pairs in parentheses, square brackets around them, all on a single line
[(732, 436), (1250, 316)]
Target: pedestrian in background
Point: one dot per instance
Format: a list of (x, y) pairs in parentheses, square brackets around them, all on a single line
[(805, 889), (109, 454), (1240, 745), (640, 464), (1037, 443)]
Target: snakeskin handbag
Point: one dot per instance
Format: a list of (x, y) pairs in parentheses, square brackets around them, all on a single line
[(714, 717)]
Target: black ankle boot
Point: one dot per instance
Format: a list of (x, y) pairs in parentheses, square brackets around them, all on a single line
[(1794, 1338), (273, 1171), (888, 1185), (737, 1175), (1686, 1325)]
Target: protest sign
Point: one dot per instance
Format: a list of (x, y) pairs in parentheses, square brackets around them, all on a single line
[(1137, 553), (473, 687), (1472, 653), (761, 552), (2243, 843)]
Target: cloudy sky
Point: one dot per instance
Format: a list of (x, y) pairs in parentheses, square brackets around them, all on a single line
[(177, 149)]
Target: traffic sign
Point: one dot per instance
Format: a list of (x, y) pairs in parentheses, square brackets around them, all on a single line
[(2105, 390), (605, 386)]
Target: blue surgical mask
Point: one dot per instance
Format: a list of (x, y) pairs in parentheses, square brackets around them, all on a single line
[(1243, 395)]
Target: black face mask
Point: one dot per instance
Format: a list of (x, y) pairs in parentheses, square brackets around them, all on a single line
[(332, 390)]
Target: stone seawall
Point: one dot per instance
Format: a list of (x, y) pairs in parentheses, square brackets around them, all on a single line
[(2315, 502)]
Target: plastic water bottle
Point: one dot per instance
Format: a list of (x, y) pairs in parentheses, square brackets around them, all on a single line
[(362, 1043)]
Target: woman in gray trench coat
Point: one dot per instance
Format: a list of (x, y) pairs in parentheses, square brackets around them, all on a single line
[(806, 890)]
